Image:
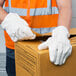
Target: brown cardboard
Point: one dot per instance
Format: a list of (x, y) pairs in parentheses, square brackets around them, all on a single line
[(72, 32), (32, 62)]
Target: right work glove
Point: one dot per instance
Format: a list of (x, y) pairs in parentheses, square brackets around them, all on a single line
[(17, 28), (59, 45)]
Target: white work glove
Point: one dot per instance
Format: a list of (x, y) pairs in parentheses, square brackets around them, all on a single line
[(59, 45), (17, 28)]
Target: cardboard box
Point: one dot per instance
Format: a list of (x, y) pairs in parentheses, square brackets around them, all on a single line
[(32, 62)]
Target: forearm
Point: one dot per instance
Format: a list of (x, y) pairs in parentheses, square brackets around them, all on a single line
[(65, 16), (65, 12), (3, 14)]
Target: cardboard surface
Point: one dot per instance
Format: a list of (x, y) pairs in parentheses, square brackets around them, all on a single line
[(32, 62), (72, 32)]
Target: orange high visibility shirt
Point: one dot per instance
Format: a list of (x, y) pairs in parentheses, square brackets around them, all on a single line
[(41, 15)]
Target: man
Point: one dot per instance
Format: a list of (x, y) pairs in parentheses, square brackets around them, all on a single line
[(42, 16)]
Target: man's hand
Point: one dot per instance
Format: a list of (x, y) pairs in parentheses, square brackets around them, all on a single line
[(59, 45), (17, 28)]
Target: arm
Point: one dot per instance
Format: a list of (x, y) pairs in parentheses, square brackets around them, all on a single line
[(14, 25), (59, 44), (3, 13), (65, 13)]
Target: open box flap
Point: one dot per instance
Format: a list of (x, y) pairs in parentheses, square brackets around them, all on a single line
[(72, 32)]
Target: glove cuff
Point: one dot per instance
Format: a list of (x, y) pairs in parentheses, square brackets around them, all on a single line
[(60, 31), (9, 18)]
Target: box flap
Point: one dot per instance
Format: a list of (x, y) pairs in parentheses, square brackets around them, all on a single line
[(72, 32)]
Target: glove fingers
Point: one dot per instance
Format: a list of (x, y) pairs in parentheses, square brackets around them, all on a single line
[(21, 30), (52, 50), (14, 38), (59, 54), (25, 34), (67, 54), (44, 45), (63, 54), (52, 54), (33, 36), (65, 58), (27, 38), (29, 33), (66, 50), (28, 29), (61, 59), (12, 35), (24, 22)]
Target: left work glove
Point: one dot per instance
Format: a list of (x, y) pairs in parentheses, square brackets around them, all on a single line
[(17, 28), (59, 45)]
